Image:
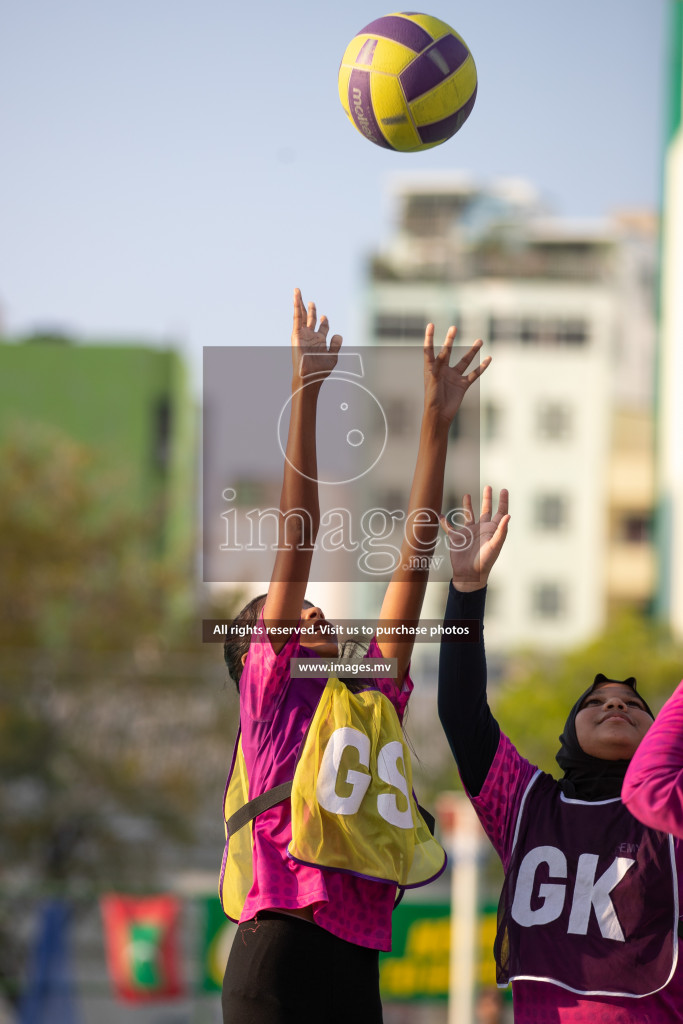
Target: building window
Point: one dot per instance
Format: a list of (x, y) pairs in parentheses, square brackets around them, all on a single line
[(572, 332), (531, 332), (635, 528), (392, 500), (503, 328), (491, 417), (451, 501), (554, 421), (400, 415), (547, 600), (551, 511), (400, 326)]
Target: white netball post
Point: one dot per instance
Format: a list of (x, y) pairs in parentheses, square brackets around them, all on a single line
[(462, 835)]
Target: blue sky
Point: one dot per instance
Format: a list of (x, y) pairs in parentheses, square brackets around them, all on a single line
[(171, 169)]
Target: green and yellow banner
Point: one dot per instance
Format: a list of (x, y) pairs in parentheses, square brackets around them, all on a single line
[(416, 970), (217, 936)]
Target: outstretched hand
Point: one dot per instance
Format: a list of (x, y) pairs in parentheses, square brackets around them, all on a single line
[(445, 386), (475, 545), (311, 355)]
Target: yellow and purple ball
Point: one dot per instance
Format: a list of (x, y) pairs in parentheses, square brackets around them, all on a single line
[(407, 82)]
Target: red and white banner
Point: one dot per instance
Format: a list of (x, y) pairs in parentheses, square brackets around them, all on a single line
[(141, 939)]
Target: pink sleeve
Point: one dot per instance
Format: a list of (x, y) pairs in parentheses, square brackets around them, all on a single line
[(497, 805), (399, 698), (653, 787), (265, 676)]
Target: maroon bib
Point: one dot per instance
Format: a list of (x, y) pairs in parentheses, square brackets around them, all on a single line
[(590, 900)]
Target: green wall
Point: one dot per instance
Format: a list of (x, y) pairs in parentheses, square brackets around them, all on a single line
[(110, 398)]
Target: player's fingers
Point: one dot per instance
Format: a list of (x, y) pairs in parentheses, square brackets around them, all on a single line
[(499, 536), (324, 326), (299, 309), (486, 502), (467, 505), (450, 530), (503, 503), (335, 342), (312, 316), (428, 346), (463, 363), (473, 374), (445, 353)]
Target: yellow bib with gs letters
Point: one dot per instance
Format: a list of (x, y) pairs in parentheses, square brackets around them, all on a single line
[(352, 801), (353, 807)]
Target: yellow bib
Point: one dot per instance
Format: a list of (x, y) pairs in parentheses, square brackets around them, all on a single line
[(237, 872), (353, 807)]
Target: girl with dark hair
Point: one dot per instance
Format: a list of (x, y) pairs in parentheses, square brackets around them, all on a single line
[(321, 822), (242, 628), (589, 914)]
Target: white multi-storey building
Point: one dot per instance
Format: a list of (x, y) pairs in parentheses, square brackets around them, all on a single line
[(565, 308), (670, 377)]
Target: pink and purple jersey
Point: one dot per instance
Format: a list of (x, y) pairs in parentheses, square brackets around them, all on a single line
[(653, 787), (275, 711), (583, 879)]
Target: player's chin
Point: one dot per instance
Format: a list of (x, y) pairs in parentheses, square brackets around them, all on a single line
[(324, 648), (619, 748)]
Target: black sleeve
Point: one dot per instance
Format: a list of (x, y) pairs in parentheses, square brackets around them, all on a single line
[(470, 728)]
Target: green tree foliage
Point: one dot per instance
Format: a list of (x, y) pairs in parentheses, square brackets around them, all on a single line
[(115, 724), (537, 693), (77, 571)]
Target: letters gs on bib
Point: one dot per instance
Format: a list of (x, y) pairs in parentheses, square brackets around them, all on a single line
[(390, 769), (407, 82)]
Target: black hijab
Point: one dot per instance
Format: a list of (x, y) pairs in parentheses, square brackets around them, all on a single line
[(586, 777)]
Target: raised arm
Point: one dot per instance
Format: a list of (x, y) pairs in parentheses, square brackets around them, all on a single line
[(474, 544), (444, 389), (653, 787), (470, 728), (313, 359)]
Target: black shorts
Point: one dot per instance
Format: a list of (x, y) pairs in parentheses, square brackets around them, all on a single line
[(285, 970)]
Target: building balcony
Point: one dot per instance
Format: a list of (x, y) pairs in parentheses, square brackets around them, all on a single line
[(630, 573)]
